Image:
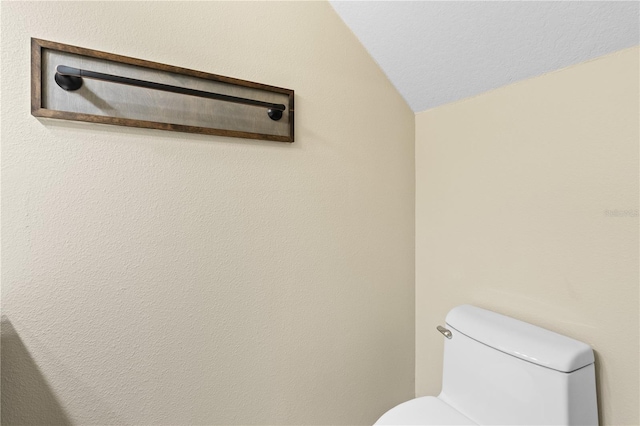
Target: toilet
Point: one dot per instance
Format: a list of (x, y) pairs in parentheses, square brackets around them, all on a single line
[(501, 371)]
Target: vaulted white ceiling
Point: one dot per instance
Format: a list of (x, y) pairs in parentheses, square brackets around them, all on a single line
[(436, 52)]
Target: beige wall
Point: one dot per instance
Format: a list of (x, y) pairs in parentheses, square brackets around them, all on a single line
[(152, 277), (514, 197)]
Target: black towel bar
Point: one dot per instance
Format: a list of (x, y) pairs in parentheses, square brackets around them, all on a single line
[(70, 79)]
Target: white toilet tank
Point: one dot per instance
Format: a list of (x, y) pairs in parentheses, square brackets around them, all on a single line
[(499, 370)]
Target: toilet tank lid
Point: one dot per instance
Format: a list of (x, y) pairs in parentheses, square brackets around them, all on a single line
[(520, 339)]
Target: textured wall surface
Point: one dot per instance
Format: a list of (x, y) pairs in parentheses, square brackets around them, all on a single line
[(152, 277), (436, 52), (527, 204)]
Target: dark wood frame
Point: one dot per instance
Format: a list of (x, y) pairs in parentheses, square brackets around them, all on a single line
[(37, 110)]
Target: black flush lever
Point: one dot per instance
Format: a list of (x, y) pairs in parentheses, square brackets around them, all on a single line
[(70, 79)]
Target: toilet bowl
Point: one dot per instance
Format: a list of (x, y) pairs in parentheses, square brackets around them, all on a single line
[(427, 410), (501, 371)]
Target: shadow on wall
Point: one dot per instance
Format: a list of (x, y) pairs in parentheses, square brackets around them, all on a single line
[(599, 385), (27, 398)]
